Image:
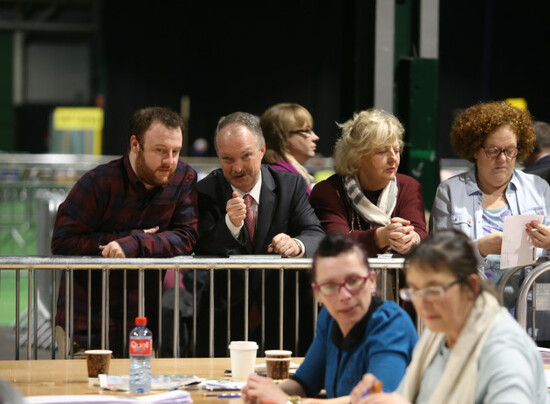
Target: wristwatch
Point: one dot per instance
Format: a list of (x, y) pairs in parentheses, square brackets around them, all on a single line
[(294, 400)]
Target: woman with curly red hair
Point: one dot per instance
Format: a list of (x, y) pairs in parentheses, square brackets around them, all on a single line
[(492, 135)]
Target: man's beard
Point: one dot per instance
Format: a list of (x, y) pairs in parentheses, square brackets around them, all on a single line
[(147, 175)]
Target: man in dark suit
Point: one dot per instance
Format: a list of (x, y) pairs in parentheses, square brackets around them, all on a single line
[(538, 161), (284, 223)]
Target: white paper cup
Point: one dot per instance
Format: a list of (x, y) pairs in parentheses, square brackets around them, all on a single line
[(243, 359)]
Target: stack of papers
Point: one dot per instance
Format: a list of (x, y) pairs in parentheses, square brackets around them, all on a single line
[(171, 397), (158, 382), (221, 385)]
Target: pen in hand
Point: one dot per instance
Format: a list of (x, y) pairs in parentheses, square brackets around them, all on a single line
[(375, 388)]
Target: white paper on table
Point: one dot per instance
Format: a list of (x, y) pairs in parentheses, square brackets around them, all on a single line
[(171, 397), (85, 399), (517, 248)]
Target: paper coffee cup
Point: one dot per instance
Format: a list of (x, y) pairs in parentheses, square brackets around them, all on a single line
[(98, 361), (243, 359), (277, 363)]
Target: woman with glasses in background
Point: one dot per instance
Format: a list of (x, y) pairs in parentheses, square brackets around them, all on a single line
[(473, 351), (289, 138), (357, 332), (492, 135)]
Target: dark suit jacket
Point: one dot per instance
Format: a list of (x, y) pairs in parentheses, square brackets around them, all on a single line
[(540, 166), (283, 208)]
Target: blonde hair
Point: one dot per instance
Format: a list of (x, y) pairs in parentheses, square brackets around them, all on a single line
[(362, 135)]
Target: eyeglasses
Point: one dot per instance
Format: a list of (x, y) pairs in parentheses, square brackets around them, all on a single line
[(493, 152), (352, 285), (305, 133), (429, 294)]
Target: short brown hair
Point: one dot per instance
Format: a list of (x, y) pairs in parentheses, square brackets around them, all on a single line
[(241, 118), (143, 118), (472, 126), (334, 244)]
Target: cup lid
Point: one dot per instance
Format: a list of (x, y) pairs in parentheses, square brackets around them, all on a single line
[(280, 352), (243, 345), (98, 352), (278, 359)]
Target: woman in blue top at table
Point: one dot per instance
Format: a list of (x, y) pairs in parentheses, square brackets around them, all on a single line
[(472, 351), (357, 332)]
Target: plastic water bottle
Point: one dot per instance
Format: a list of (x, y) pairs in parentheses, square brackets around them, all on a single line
[(141, 348)]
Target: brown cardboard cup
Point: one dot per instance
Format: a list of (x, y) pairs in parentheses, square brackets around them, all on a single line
[(277, 363), (98, 361)]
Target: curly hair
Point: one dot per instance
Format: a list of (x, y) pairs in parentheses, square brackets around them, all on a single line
[(362, 135), (472, 126), (277, 121)]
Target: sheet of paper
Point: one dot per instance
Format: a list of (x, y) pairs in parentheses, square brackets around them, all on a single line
[(517, 249), (172, 397)]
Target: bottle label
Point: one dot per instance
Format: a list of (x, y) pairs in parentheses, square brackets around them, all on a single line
[(140, 346)]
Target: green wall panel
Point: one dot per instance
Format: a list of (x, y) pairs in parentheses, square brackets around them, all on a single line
[(417, 96), (7, 115)]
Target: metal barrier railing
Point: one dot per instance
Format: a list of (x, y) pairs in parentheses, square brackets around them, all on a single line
[(503, 281), (526, 287), (34, 264)]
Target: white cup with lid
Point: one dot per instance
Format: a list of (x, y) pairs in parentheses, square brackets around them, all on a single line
[(243, 359)]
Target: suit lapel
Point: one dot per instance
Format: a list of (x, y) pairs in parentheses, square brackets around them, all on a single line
[(225, 191), (266, 211)]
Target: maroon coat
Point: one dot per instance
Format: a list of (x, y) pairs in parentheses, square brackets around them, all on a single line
[(334, 210)]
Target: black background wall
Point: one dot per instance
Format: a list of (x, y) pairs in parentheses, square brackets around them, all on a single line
[(226, 56), (248, 55), (492, 50)]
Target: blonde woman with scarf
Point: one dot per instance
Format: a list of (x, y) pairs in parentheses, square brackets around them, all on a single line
[(367, 198), (473, 350)]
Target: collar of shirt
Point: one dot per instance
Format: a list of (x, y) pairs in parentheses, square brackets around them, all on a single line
[(254, 193), (356, 333)]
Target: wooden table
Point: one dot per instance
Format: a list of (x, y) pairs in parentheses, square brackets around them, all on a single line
[(69, 377)]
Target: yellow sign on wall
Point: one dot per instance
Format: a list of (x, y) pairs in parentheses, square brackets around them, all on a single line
[(79, 125), (520, 103)]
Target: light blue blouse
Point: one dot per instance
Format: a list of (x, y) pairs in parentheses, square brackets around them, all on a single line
[(458, 201)]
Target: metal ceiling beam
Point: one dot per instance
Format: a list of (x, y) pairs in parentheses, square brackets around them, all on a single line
[(41, 26)]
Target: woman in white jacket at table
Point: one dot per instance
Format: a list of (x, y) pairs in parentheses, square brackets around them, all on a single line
[(492, 135), (472, 351)]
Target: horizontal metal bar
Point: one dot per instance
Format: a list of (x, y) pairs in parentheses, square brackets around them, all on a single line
[(180, 262), (49, 262)]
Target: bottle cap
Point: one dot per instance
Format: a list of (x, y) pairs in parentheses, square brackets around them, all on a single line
[(141, 320)]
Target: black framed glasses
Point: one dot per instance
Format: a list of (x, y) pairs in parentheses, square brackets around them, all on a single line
[(353, 285), (493, 152), (302, 132), (429, 294)]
